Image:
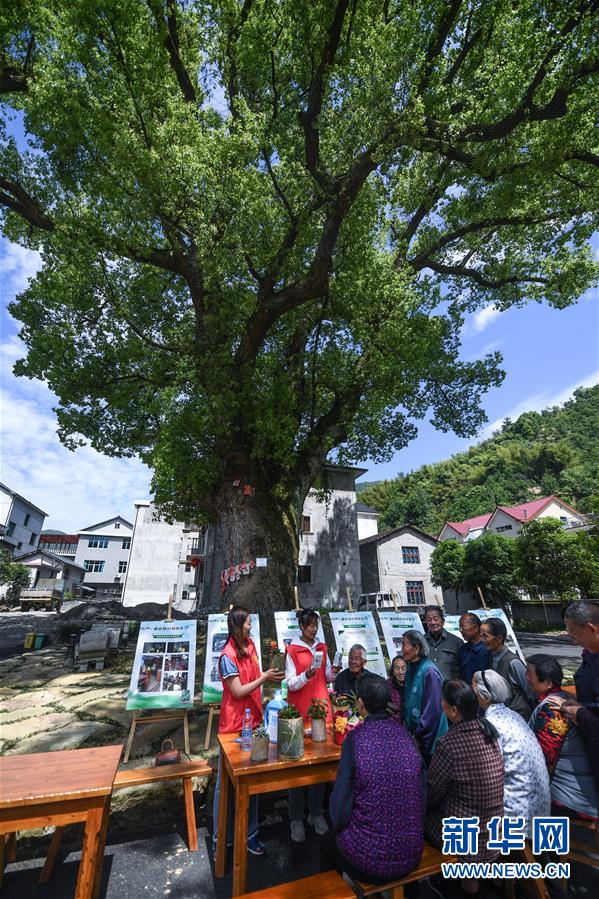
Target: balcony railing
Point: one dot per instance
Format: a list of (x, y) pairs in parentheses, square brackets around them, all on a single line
[(196, 548)]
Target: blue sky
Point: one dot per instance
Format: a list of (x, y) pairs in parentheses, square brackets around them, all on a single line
[(547, 354)]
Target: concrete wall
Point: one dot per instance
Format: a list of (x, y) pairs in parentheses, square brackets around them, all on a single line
[(368, 525), (157, 561), (116, 532)]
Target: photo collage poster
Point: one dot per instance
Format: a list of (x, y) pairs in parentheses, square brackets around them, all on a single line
[(216, 637), (163, 674), (288, 628), (358, 627), (394, 625)]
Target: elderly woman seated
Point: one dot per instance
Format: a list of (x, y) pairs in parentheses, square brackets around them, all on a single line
[(422, 715), (378, 764), (526, 781)]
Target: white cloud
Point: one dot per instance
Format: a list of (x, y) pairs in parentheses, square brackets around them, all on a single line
[(481, 319), (17, 265), (539, 401)]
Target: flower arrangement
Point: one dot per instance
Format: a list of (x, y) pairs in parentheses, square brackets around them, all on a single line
[(319, 709)]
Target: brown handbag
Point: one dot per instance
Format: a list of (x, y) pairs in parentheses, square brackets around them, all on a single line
[(170, 756)]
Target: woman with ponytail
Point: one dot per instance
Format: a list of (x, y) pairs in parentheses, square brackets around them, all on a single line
[(307, 672), (465, 778)]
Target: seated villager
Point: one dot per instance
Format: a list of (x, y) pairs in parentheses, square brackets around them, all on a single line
[(423, 715), (509, 666), (526, 781), (347, 680), (397, 683), (566, 755), (376, 838), (465, 777)]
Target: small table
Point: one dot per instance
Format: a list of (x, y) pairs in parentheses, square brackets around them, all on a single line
[(60, 788), (318, 765)]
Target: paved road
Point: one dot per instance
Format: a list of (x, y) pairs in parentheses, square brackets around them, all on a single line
[(562, 648)]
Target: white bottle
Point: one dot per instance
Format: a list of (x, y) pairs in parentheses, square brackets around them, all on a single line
[(246, 731)]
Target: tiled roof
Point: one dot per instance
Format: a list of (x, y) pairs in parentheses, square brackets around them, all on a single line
[(59, 538), (470, 524)]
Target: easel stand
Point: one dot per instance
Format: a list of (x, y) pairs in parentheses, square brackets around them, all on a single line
[(150, 719), (213, 711)]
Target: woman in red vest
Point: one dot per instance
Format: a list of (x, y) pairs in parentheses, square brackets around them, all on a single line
[(242, 679), (307, 680)]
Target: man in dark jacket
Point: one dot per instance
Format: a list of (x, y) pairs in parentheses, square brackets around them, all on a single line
[(509, 666), (443, 646)]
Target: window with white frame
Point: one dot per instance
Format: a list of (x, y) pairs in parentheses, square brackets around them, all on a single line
[(410, 555), (122, 567), (117, 525), (96, 565), (503, 527), (126, 542), (415, 593), (98, 542), (32, 539)]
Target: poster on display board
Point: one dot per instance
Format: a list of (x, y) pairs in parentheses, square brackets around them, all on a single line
[(511, 641), (394, 625), (163, 675), (288, 628), (358, 627), (216, 636), (452, 625)]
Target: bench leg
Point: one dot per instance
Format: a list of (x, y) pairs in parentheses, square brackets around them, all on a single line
[(186, 733), (52, 853), (11, 847), (397, 893), (190, 815)]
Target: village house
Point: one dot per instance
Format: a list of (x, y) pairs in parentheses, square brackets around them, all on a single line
[(508, 520), (399, 561)]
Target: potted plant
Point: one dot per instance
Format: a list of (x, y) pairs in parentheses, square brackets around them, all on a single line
[(277, 658), (259, 752), (290, 733), (318, 711), (343, 709)]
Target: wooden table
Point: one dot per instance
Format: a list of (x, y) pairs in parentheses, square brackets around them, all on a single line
[(318, 765), (60, 788)]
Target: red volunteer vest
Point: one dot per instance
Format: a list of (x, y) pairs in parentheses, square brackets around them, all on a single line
[(231, 709), (316, 688)]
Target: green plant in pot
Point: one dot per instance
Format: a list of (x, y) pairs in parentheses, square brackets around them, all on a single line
[(318, 711), (259, 751), (290, 733)]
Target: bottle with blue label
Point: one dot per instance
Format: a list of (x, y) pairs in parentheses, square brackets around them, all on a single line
[(271, 714), (246, 731)]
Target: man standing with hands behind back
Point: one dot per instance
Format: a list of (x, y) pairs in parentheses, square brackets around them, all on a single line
[(443, 646)]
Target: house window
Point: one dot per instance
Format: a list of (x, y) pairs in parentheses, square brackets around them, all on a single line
[(122, 567), (117, 579), (306, 524), (98, 543), (93, 565), (27, 517), (184, 594), (304, 574), (411, 555), (504, 527), (415, 593), (117, 525), (32, 539), (19, 545), (187, 568), (126, 542), (10, 529)]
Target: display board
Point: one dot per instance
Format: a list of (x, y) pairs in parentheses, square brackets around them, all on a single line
[(216, 637), (452, 625), (163, 674), (511, 641), (358, 627), (394, 625), (288, 628)]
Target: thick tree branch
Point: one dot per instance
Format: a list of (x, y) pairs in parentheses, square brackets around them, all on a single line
[(437, 41), (232, 38), (461, 271), (17, 199), (170, 38)]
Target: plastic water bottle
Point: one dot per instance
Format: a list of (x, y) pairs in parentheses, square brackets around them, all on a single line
[(284, 690), (246, 731), (271, 713)]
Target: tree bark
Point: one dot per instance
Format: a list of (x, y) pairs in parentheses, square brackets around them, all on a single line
[(249, 527)]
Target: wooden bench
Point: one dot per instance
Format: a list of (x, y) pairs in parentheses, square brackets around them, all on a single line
[(136, 777), (430, 863), (329, 885)]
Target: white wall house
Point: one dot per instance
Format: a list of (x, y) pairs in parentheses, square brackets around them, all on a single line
[(20, 523), (45, 567), (165, 559), (103, 553), (399, 561), (368, 521), (508, 520)]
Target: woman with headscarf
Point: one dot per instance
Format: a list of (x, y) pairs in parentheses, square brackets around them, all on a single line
[(526, 781), (423, 715)]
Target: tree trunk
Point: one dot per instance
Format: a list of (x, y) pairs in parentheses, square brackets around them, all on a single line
[(250, 527)]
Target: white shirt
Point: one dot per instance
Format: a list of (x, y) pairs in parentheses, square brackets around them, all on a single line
[(296, 681)]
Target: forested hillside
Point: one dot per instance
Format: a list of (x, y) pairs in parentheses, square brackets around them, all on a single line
[(554, 451)]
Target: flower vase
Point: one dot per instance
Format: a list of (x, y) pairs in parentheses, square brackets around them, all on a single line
[(259, 752), (340, 725), (290, 738), (319, 730)]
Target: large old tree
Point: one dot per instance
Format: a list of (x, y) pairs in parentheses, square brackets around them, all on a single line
[(261, 224)]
